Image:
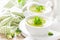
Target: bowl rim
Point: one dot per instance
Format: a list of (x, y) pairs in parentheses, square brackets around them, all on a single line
[(35, 13), (44, 26)]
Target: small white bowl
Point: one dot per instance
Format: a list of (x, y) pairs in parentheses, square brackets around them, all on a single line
[(47, 9), (39, 31)]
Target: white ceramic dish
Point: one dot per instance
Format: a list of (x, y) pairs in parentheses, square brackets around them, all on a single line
[(26, 33), (39, 31), (23, 26), (47, 8), (46, 11), (51, 3)]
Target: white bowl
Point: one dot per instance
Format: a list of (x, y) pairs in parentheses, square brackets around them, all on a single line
[(48, 3), (48, 9), (39, 31)]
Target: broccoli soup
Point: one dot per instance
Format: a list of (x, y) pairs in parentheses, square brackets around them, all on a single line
[(37, 8), (36, 21)]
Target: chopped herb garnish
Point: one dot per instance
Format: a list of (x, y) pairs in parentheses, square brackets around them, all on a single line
[(42, 7), (37, 8), (37, 20), (50, 33), (18, 31)]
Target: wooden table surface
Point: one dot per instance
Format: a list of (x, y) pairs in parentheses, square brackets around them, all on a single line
[(3, 37), (20, 37)]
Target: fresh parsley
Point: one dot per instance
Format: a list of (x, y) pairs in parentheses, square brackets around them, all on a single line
[(37, 20)]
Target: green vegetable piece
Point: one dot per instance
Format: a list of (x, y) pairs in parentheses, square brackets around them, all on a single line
[(50, 33), (22, 2), (37, 20), (19, 14), (37, 8), (3, 17), (18, 31), (19, 1), (10, 22), (5, 21), (42, 7), (10, 35)]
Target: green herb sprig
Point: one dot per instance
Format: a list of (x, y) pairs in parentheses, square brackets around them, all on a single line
[(37, 8), (37, 20)]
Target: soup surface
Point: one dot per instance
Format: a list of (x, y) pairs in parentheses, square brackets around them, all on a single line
[(37, 8), (36, 21)]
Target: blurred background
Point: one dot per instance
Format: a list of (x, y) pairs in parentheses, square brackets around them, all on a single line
[(55, 26)]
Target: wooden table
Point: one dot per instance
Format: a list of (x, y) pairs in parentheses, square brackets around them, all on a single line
[(3, 37), (20, 37)]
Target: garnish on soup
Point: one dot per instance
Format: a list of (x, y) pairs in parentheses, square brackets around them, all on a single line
[(37, 8), (36, 21)]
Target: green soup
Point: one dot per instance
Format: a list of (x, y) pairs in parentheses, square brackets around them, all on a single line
[(37, 8), (36, 21)]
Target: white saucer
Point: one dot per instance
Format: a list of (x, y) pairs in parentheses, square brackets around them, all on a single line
[(26, 33)]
